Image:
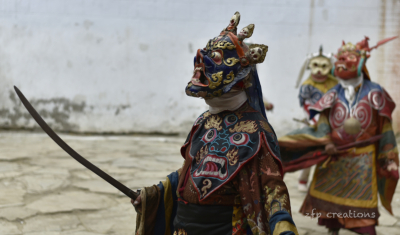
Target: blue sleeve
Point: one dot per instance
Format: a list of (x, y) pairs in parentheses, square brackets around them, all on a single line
[(282, 216), (167, 197)]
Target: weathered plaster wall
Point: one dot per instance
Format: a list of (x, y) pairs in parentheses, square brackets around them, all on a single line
[(121, 66)]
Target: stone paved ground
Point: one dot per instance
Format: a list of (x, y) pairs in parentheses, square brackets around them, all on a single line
[(44, 191)]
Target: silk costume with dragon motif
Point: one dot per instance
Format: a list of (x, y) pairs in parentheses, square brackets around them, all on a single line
[(231, 179), (345, 187)]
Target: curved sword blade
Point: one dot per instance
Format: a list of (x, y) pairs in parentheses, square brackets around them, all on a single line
[(125, 190)]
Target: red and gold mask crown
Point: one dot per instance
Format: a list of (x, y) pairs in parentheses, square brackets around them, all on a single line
[(361, 48), (351, 59)]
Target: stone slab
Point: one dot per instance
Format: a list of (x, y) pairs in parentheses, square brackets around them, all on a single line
[(16, 212), (51, 223), (11, 195), (8, 228), (69, 201)]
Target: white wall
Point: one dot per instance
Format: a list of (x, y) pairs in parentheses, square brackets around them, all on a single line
[(122, 66)]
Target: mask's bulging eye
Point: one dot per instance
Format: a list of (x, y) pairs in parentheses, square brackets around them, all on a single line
[(217, 56), (239, 139), (230, 120), (209, 136)]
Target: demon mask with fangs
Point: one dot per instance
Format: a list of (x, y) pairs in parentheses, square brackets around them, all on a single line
[(225, 62)]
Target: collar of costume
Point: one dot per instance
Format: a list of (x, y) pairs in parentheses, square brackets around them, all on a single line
[(349, 87), (228, 102), (220, 144), (370, 95), (311, 91)]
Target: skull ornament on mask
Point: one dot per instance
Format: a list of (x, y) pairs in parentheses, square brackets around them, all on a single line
[(255, 53), (233, 23), (246, 32), (225, 62)]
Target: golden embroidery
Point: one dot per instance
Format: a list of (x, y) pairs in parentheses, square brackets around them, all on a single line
[(238, 220), (257, 227), (216, 80), (214, 122), (180, 231), (239, 115), (229, 78), (206, 114), (231, 61), (224, 45), (209, 96), (233, 156), (211, 42), (207, 184), (245, 126), (217, 93), (284, 226), (201, 154), (265, 126), (278, 203)]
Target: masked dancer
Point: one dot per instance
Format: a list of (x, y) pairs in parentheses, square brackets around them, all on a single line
[(311, 90), (231, 179), (354, 146)]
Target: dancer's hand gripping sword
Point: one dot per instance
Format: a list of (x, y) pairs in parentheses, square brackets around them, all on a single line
[(125, 190)]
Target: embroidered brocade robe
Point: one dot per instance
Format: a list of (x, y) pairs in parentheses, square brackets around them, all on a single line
[(232, 159)]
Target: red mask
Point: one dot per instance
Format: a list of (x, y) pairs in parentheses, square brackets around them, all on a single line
[(352, 58), (347, 64)]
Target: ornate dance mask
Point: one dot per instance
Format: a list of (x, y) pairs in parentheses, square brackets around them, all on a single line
[(320, 66), (225, 62), (351, 58)]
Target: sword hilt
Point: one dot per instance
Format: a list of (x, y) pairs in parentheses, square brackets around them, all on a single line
[(133, 194)]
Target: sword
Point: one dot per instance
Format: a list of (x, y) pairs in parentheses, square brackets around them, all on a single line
[(118, 185), (304, 121)]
